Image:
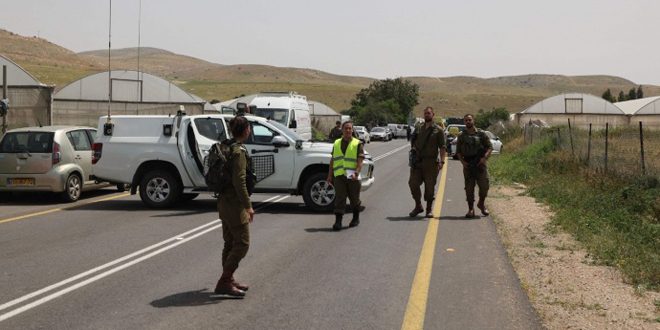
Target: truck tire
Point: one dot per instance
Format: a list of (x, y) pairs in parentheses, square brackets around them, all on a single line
[(72, 188), (159, 189), (318, 194)]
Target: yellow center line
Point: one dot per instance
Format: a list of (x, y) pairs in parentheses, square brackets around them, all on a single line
[(61, 208), (416, 309)]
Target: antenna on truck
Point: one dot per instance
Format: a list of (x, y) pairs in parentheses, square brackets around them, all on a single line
[(108, 126)]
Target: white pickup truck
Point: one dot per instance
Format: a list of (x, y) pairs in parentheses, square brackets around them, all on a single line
[(162, 156)]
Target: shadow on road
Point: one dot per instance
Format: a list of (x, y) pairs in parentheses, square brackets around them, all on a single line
[(406, 218), (460, 217), (288, 208), (186, 299), (327, 229)]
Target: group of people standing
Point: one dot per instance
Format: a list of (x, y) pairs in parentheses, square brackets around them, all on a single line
[(428, 145)]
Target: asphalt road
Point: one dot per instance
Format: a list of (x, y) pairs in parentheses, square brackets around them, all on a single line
[(108, 262)]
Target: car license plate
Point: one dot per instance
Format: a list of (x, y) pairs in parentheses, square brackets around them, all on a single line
[(20, 182)]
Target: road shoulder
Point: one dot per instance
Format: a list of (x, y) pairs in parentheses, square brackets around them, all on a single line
[(561, 280)]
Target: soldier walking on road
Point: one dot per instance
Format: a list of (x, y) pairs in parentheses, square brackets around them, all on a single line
[(335, 132), (427, 141), (345, 167), (473, 149), (235, 211)]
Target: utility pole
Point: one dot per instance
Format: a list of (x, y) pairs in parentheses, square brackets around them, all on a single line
[(4, 96)]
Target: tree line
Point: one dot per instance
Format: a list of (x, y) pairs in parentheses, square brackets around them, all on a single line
[(632, 95)]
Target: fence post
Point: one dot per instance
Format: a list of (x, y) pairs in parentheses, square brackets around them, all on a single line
[(641, 147), (531, 136), (607, 128), (525, 134), (570, 134), (589, 145), (558, 138)]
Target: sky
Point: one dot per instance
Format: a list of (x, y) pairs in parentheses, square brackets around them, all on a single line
[(377, 39)]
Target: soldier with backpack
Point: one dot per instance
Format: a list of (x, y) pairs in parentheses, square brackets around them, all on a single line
[(234, 206)]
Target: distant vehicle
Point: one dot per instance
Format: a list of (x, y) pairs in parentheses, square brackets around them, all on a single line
[(287, 108), (379, 133), (495, 141), (363, 135), (396, 129), (451, 132), (49, 158), (390, 133)]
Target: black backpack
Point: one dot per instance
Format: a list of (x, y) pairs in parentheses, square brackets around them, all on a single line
[(216, 167)]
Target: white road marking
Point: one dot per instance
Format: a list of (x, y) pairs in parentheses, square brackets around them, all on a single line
[(92, 271), (391, 152)]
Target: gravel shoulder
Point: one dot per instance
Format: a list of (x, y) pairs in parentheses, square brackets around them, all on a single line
[(563, 284)]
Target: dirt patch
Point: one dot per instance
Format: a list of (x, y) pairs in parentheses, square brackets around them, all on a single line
[(565, 287)]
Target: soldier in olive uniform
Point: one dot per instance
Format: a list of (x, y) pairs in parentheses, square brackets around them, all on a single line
[(427, 141), (473, 149), (345, 167), (235, 211), (335, 132)]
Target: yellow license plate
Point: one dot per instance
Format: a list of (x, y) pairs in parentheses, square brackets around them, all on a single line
[(20, 182)]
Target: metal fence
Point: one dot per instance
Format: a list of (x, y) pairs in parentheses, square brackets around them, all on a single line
[(629, 151)]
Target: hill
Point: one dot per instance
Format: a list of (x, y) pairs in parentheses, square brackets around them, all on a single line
[(450, 96)]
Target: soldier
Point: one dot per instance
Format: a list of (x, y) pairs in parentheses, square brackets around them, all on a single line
[(473, 149), (427, 140), (235, 211), (345, 167), (335, 132)]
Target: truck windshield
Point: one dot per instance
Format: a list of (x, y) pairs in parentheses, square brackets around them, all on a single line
[(286, 131), (279, 115)]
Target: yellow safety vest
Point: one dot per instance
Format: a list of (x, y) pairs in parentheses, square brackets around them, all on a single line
[(341, 162)]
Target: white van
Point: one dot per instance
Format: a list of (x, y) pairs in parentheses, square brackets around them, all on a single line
[(288, 108)]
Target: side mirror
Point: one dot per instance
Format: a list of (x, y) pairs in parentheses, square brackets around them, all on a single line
[(293, 124), (280, 141)]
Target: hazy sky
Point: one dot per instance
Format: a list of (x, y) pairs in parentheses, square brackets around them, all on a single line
[(379, 39)]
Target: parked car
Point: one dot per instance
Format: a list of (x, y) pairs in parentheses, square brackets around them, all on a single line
[(495, 141), (390, 133), (379, 133), (451, 132), (50, 158), (363, 135)]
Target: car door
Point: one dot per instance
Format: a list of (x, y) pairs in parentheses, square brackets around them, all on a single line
[(196, 136), (264, 153), (82, 151)]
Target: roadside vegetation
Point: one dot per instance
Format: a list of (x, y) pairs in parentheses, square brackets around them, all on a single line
[(615, 217)]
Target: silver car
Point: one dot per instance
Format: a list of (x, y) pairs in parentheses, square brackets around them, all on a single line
[(50, 158)]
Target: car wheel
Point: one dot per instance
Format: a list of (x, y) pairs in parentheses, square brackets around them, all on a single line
[(159, 189), (72, 188), (318, 194)]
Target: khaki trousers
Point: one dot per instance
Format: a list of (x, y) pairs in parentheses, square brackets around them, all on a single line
[(478, 177), (425, 172), (235, 232), (345, 187)]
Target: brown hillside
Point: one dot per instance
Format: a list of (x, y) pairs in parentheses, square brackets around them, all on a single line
[(450, 96)]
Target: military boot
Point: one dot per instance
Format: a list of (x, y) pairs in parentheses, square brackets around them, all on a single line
[(429, 209), (226, 287), (239, 286), (337, 225), (356, 218)]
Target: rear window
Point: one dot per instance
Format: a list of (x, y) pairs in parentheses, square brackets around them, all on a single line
[(211, 128), (36, 142)]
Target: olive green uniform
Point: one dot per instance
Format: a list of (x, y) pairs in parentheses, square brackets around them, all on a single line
[(473, 146), (345, 187), (232, 209), (427, 142), (335, 133)]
